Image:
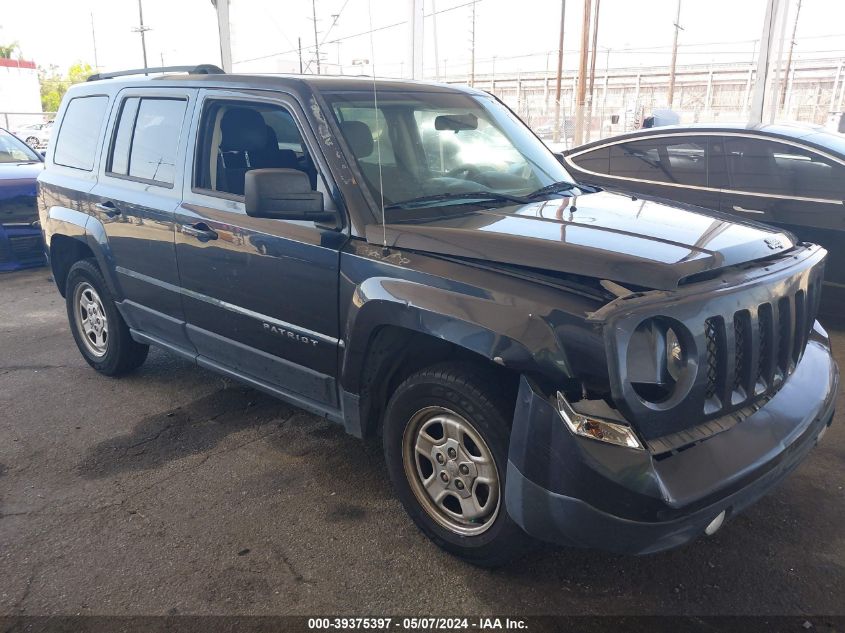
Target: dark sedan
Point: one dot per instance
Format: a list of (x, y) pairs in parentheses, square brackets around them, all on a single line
[(792, 176), (21, 245)]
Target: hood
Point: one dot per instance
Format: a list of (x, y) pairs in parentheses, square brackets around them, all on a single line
[(17, 192), (603, 235)]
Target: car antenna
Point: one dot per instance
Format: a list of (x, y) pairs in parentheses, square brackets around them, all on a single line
[(384, 250)]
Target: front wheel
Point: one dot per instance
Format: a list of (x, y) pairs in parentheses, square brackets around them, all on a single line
[(446, 436), (100, 332)]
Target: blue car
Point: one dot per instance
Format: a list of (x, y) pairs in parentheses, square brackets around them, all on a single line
[(21, 245)]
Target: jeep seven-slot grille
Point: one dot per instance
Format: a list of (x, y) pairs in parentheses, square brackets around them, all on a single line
[(767, 344)]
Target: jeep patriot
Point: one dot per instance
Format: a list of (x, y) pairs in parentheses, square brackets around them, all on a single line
[(541, 358)]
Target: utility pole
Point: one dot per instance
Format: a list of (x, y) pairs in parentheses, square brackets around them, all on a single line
[(582, 75), (416, 21), (299, 43), (761, 78), (671, 96), (472, 49), (224, 32), (94, 40), (789, 55), (142, 29), (593, 51), (559, 78), (316, 41), (434, 33)]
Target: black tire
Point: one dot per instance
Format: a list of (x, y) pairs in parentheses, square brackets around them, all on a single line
[(122, 354), (476, 395)]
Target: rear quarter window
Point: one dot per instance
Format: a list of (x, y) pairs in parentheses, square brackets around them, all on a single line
[(76, 145)]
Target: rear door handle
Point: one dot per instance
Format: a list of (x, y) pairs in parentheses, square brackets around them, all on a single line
[(744, 210), (108, 207), (200, 230)]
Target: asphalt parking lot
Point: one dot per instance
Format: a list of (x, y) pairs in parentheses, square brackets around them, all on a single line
[(174, 491)]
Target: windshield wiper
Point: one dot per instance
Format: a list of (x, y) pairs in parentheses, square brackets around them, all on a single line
[(464, 195), (555, 187)]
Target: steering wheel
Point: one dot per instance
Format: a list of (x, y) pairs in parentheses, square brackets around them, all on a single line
[(465, 172)]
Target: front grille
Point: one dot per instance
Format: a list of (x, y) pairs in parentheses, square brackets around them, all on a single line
[(742, 328), (770, 339), (712, 335)]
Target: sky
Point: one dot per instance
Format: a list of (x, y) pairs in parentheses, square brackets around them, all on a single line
[(510, 36)]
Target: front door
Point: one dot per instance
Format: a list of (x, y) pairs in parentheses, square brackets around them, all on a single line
[(137, 192), (260, 295)]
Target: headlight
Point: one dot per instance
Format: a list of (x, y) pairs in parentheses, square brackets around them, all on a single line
[(595, 428), (659, 360)]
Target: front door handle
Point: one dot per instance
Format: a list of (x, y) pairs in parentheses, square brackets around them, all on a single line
[(108, 207), (744, 210), (200, 230)]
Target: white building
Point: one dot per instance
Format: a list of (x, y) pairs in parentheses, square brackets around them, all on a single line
[(20, 94)]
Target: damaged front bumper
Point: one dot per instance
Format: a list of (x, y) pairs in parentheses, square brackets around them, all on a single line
[(582, 492)]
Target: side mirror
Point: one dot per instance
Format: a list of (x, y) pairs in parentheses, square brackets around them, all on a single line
[(283, 194)]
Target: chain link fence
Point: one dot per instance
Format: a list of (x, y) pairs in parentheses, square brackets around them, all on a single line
[(623, 98)]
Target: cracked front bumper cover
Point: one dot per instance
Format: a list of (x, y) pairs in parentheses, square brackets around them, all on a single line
[(581, 492)]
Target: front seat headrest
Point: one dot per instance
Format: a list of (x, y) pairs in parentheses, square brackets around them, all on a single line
[(243, 130), (359, 136)]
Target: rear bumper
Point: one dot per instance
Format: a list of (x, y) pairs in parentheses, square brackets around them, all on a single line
[(580, 492), (21, 247)]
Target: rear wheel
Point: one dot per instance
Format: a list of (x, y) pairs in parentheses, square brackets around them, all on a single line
[(101, 334), (445, 439)]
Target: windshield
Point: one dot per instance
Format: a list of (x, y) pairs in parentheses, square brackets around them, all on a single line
[(13, 150), (442, 146)]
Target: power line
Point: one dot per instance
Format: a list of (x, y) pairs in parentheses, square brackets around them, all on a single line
[(362, 33)]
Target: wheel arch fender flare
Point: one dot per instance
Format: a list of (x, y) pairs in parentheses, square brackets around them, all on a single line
[(87, 231), (475, 323)]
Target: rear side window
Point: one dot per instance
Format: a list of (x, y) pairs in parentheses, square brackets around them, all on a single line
[(676, 159), (77, 143), (770, 167), (146, 139)]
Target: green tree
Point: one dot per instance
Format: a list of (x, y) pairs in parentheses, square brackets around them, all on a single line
[(7, 50), (54, 85)]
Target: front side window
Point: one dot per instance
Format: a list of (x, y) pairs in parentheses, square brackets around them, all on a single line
[(676, 159), (769, 167), (147, 138), (77, 143), (237, 136), (444, 145), (596, 161)]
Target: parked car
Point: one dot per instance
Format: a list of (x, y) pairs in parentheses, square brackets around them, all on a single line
[(21, 245), (538, 357), (36, 135), (791, 176)]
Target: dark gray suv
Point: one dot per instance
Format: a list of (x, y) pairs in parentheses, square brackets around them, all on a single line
[(540, 358)]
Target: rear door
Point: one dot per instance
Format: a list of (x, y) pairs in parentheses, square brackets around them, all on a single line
[(791, 186), (138, 190), (260, 294)]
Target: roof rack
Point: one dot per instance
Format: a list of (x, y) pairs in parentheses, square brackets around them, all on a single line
[(202, 69)]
